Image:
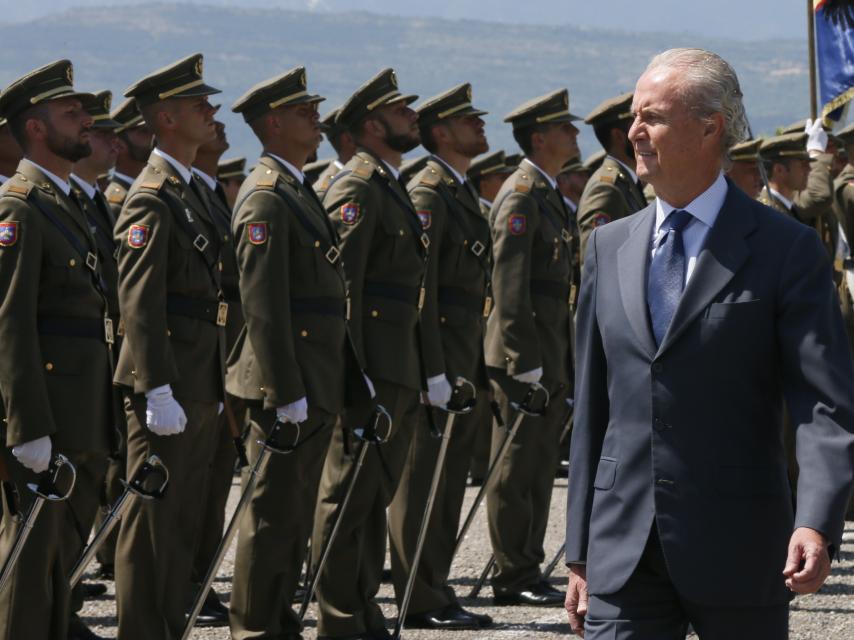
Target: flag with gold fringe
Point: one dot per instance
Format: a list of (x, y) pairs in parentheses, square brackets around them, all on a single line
[(834, 48)]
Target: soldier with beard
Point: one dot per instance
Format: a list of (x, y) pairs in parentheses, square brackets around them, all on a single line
[(10, 152), (133, 146), (613, 191), (385, 252), (56, 336)]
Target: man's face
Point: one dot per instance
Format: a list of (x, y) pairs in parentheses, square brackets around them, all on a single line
[(745, 174), (10, 151), (103, 156), (195, 118), (796, 172), (300, 124), (559, 141), (68, 129), (572, 184), (219, 144), (467, 136), (667, 136), (231, 186), (401, 126), (138, 142)]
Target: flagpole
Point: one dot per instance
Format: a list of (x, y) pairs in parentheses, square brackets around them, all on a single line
[(811, 43)]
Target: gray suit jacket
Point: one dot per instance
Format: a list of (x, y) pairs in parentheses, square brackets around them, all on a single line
[(688, 435)]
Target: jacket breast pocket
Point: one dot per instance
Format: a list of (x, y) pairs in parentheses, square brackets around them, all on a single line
[(606, 474)]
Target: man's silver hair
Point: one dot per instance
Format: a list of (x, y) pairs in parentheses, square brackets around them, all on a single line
[(707, 85)]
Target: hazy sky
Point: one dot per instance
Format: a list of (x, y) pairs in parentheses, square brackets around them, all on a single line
[(741, 19)]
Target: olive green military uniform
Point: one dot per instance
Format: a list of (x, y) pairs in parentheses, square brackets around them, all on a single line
[(330, 127), (529, 328), (171, 304), (458, 272), (611, 192), (325, 178), (384, 252), (295, 345), (843, 208), (127, 116), (55, 369)]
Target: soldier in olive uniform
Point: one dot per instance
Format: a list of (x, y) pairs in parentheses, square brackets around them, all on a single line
[(339, 136), (613, 191), (213, 612), (528, 340), (56, 364), (744, 167), (408, 168), (133, 145), (385, 251), (787, 165), (171, 362), (458, 275), (10, 152), (293, 361), (230, 174)]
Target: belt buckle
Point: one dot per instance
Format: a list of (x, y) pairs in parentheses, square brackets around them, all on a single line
[(332, 254), (422, 294), (478, 248), (91, 261), (108, 331), (425, 241), (221, 314), (573, 295), (487, 306), (347, 300), (201, 243)]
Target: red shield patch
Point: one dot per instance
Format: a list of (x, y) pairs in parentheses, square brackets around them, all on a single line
[(137, 236), (426, 218), (349, 213), (8, 233), (601, 219), (517, 224), (257, 232)]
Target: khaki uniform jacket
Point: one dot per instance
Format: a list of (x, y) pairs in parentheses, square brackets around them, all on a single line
[(843, 202), (530, 323), (221, 216), (460, 261), (161, 270), (325, 178), (772, 201), (609, 195), (817, 198), (385, 263), (295, 342), (116, 193), (52, 384)]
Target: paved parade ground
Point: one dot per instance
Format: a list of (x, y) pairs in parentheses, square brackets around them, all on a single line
[(828, 615)]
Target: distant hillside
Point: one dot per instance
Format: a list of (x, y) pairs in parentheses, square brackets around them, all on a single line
[(506, 63)]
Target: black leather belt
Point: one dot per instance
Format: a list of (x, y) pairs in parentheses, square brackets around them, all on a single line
[(212, 311), (551, 289), (399, 292), (321, 305), (459, 297), (70, 327)]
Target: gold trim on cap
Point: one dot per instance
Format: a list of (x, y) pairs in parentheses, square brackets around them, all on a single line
[(286, 99), (376, 103), (493, 168), (553, 116), (453, 110), (783, 154), (176, 90), (230, 174), (134, 122), (103, 116), (51, 93)]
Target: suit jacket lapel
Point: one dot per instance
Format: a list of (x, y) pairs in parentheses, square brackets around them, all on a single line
[(723, 254), (632, 269)]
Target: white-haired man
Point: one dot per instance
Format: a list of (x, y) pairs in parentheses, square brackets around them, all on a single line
[(697, 318)]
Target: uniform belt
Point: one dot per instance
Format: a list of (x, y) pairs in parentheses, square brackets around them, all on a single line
[(459, 297), (232, 294), (321, 305), (70, 327), (399, 292), (212, 311), (551, 289)]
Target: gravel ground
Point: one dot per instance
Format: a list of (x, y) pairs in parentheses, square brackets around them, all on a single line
[(828, 615)]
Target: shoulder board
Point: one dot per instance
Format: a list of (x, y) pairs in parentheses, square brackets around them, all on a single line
[(153, 183), (117, 197), (324, 184), (524, 182), (16, 190), (430, 177), (607, 179), (364, 169), (266, 183)]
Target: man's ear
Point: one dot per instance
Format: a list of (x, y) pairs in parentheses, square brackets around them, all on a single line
[(36, 129), (715, 125)]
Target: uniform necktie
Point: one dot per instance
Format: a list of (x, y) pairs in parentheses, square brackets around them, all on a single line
[(667, 274)]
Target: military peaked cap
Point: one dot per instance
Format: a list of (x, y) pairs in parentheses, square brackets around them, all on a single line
[(50, 82), (574, 166), (747, 151), (127, 115), (489, 163), (98, 106), (182, 79), (613, 110), (449, 104), (378, 91), (846, 135), (788, 145), (285, 89), (552, 107), (231, 168)]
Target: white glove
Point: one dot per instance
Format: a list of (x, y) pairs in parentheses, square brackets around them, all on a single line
[(438, 390), (163, 415), (529, 377), (370, 386), (294, 412), (35, 454), (816, 136)]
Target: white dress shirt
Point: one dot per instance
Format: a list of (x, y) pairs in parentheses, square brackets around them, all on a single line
[(704, 209), (392, 170), (570, 205), (548, 178), (460, 178), (211, 182), (122, 176), (287, 165), (88, 189), (183, 171), (486, 203), (786, 202), (61, 184)]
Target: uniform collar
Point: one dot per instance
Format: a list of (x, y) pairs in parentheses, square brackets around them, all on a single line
[(88, 189), (3, 178), (339, 165), (548, 178), (569, 203), (211, 182), (118, 175), (287, 165), (786, 202), (183, 171), (394, 172), (61, 184), (631, 173), (486, 202), (460, 178)]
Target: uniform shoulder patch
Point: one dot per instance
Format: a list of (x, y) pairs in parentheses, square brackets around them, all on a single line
[(138, 236), (153, 185), (8, 234), (256, 232), (601, 218), (364, 169), (350, 212), (517, 224), (607, 179), (19, 190), (523, 182), (266, 183), (426, 218)]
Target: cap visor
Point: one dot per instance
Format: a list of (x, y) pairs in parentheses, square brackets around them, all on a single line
[(195, 92)]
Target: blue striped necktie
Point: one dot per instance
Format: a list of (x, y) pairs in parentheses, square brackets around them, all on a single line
[(667, 273)]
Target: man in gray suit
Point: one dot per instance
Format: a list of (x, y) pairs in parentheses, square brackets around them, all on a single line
[(698, 317)]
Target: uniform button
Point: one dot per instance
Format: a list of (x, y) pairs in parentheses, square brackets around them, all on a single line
[(48, 366), (402, 232), (72, 262), (442, 319), (133, 372), (657, 367), (317, 243), (304, 333), (375, 314), (261, 388), (168, 333), (665, 482)]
